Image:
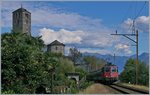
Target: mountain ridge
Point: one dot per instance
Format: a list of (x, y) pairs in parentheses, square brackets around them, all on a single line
[(119, 60)]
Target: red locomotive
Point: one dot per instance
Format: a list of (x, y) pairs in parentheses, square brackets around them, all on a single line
[(108, 74)]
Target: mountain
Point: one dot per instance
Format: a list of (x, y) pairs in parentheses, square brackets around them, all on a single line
[(143, 57), (119, 60)]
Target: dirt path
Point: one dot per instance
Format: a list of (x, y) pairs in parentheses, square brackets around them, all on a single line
[(98, 89)]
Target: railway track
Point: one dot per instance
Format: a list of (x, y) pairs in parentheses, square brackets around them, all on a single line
[(128, 90)]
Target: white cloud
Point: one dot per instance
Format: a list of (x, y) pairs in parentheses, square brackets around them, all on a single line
[(70, 28), (141, 23), (71, 21), (6, 12), (65, 36), (123, 48), (88, 50), (43, 14), (98, 39), (93, 50), (144, 20), (78, 37), (127, 23), (73, 28), (92, 42)]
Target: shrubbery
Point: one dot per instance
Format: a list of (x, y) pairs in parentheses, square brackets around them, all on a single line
[(85, 84), (25, 66), (129, 73)]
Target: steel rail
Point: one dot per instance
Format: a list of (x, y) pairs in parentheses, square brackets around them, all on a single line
[(128, 90)]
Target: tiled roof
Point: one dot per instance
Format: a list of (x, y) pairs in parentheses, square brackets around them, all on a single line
[(56, 43), (21, 10)]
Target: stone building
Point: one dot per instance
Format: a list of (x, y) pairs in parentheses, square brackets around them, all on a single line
[(56, 47), (22, 21)]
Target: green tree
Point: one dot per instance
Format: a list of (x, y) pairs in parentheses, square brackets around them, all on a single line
[(93, 62), (143, 72), (75, 55), (65, 66), (81, 72), (129, 73), (24, 67)]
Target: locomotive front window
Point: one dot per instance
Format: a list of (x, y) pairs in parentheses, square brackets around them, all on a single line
[(107, 69), (114, 69)]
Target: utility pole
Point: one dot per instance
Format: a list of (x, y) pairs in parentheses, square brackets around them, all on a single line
[(136, 42), (137, 57), (114, 58)]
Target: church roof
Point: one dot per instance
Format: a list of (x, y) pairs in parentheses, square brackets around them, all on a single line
[(56, 43), (21, 10)]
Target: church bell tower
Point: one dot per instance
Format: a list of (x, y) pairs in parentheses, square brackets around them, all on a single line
[(22, 21)]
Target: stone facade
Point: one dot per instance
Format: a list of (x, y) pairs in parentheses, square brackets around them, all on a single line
[(22, 21), (56, 47)]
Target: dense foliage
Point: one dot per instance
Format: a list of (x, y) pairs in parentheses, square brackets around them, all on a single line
[(129, 73), (25, 66), (94, 63), (75, 55), (82, 72), (85, 84)]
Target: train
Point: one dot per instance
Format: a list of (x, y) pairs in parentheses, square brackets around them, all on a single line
[(107, 74)]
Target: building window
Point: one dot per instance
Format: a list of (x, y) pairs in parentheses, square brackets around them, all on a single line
[(26, 15), (26, 21), (17, 21), (56, 48)]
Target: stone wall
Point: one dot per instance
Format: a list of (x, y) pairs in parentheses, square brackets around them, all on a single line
[(57, 49)]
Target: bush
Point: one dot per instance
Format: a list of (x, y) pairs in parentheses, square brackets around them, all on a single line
[(24, 64), (81, 72), (129, 73), (8, 92), (85, 84)]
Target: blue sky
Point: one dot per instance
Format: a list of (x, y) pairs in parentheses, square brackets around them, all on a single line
[(86, 25)]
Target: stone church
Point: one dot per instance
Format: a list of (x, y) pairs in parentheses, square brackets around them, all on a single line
[(56, 47), (22, 21)]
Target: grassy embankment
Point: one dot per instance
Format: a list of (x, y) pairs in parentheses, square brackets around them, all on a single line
[(136, 86)]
